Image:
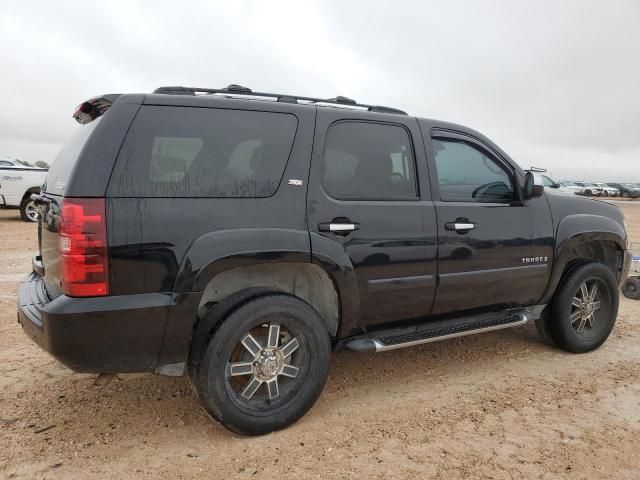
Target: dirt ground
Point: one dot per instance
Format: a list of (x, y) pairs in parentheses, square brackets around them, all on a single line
[(500, 405)]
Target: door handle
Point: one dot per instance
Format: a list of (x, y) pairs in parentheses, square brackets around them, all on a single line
[(461, 225), (339, 228)]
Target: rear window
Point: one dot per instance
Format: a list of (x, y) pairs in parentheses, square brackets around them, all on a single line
[(203, 152), (60, 169)]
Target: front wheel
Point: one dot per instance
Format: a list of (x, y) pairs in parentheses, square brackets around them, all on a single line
[(585, 308), (265, 366)]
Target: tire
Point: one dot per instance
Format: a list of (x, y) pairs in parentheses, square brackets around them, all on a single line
[(588, 193), (288, 372), (573, 328), (605, 193), (206, 327), (28, 210), (544, 330), (631, 288), (543, 327), (626, 195)]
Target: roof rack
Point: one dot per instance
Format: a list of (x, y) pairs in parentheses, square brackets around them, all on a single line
[(240, 91)]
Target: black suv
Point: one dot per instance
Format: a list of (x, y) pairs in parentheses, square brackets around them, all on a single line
[(240, 237)]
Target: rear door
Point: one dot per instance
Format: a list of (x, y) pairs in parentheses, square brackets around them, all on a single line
[(485, 257), (365, 198)]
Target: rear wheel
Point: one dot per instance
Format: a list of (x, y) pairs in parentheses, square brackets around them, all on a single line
[(588, 193), (585, 308), (28, 210), (631, 288), (265, 365)]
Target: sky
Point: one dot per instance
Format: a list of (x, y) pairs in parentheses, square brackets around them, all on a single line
[(555, 84)]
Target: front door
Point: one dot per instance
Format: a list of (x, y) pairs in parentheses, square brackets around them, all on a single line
[(366, 199), (484, 229)]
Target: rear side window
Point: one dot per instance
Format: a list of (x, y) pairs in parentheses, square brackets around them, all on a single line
[(468, 174), (368, 161), (203, 152)]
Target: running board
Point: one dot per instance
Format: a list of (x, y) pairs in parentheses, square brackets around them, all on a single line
[(383, 340)]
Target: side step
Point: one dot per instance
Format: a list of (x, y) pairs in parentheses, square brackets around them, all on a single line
[(391, 339)]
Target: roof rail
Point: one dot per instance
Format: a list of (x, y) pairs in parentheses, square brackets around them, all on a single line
[(240, 91)]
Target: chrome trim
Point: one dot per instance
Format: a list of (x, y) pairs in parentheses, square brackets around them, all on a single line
[(342, 227), (381, 347), (464, 226)]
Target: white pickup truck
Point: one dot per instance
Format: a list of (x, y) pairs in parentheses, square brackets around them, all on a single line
[(17, 183)]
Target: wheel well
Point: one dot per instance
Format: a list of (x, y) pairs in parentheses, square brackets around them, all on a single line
[(28, 193), (304, 280), (602, 251)]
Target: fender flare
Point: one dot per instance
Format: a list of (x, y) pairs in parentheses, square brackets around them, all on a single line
[(574, 230), (215, 252), (223, 250)]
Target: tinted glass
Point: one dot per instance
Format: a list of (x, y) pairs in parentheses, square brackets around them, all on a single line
[(64, 162), (368, 161), (202, 152), (467, 174)]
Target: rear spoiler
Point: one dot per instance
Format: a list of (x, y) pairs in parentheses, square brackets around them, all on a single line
[(93, 108)]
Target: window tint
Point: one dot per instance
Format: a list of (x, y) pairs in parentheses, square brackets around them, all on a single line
[(467, 174), (63, 164), (368, 161), (202, 152)]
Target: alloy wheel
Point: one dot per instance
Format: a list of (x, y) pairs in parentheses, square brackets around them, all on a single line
[(32, 211), (585, 306), (264, 366)]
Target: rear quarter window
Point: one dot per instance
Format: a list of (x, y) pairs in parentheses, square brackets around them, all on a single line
[(203, 152)]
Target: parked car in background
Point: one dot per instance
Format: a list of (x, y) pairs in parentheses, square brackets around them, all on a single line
[(572, 186), (17, 183), (589, 189), (627, 190), (607, 189), (555, 187)]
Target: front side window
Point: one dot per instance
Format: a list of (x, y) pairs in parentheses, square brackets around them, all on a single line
[(467, 174), (368, 161), (204, 152)]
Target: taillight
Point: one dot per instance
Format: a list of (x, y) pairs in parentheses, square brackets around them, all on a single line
[(83, 247)]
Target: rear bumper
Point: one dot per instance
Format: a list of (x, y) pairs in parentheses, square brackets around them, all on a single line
[(95, 335)]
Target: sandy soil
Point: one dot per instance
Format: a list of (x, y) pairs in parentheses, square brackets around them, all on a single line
[(500, 405)]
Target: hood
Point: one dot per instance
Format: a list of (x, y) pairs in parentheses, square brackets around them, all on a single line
[(565, 205)]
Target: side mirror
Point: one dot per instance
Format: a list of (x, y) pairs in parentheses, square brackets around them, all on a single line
[(533, 186), (556, 185)]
